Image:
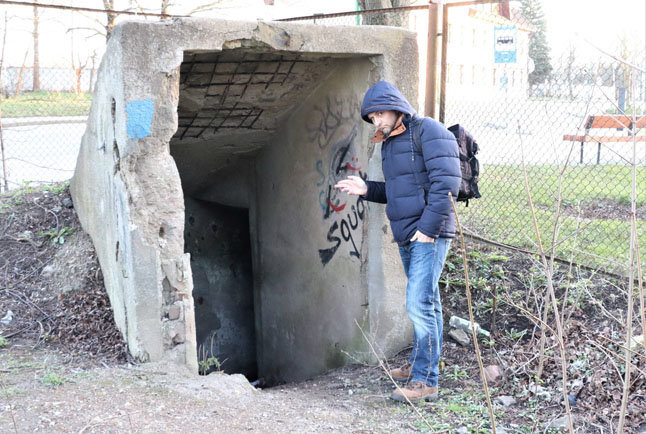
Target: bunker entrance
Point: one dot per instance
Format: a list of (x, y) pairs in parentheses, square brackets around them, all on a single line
[(256, 127), (217, 237)]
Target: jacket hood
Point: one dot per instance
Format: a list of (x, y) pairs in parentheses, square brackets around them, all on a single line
[(384, 96)]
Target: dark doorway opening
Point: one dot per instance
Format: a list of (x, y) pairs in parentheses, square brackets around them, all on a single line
[(218, 238)]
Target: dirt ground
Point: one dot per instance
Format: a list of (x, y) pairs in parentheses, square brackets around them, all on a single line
[(64, 368)]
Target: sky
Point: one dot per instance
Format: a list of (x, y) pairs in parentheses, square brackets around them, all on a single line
[(602, 22)]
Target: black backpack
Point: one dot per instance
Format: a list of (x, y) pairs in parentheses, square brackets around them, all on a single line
[(469, 164)]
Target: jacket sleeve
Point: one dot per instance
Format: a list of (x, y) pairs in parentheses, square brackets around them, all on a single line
[(376, 192), (442, 161)]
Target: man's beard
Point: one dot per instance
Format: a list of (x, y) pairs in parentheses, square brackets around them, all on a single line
[(386, 131)]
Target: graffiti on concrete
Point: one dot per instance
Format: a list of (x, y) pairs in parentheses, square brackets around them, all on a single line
[(334, 128), (348, 224), (329, 118)]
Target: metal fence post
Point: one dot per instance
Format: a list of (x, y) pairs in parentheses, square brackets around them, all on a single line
[(445, 41), (431, 62)]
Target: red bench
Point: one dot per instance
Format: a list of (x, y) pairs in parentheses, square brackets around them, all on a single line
[(608, 122)]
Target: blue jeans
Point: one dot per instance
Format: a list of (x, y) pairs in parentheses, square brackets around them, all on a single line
[(423, 263)]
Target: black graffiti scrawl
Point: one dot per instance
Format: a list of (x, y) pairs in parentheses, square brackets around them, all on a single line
[(334, 129)]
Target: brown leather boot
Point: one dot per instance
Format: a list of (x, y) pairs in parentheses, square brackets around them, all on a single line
[(415, 391), (402, 373)]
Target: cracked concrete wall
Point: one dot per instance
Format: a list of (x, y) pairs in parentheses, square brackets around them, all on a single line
[(130, 199)]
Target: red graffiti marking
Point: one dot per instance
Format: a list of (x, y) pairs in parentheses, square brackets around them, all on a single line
[(334, 207), (351, 167)]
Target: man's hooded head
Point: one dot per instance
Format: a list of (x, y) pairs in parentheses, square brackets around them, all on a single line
[(384, 96)]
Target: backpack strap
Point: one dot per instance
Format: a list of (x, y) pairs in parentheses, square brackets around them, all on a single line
[(416, 146)]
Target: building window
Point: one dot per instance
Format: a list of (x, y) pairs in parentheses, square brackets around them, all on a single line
[(475, 38), (473, 76), (461, 74)]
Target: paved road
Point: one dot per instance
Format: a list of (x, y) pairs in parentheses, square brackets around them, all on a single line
[(44, 152)]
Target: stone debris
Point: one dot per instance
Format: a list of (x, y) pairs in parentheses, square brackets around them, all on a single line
[(460, 337), (493, 374), (505, 400), (560, 424)]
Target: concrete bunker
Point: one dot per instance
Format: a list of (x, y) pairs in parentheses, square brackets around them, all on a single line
[(205, 180)]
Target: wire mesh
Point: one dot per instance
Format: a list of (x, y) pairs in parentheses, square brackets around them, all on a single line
[(42, 122), (567, 120)]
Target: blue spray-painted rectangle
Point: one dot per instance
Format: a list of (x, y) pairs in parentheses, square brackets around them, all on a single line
[(139, 116)]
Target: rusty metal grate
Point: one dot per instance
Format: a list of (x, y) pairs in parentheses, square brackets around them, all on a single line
[(225, 78)]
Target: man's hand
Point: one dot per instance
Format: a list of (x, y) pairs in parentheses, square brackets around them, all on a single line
[(352, 185), (422, 238)]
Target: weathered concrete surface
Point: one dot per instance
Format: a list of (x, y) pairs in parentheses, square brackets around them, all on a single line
[(263, 116)]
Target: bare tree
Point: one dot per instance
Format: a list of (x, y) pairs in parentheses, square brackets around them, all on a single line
[(164, 7), (78, 68), (569, 70), (109, 12), (93, 57), (4, 43), (205, 7), (36, 74), (20, 73), (2, 153)]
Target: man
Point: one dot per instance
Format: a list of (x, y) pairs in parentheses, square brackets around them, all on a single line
[(418, 206)]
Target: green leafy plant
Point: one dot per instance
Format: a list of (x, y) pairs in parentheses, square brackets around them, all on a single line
[(57, 237), (457, 374), (3, 342), (57, 188), (515, 334), (206, 365), (52, 380), (205, 359)]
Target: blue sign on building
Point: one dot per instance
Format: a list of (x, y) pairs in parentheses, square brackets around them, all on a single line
[(505, 38)]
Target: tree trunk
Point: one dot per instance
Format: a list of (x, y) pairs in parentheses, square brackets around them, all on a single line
[(92, 72), (4, 43), (78, 72), (2, 153), (22, 70), (164, 8), (396, 19), (36, 75), (109, 6)]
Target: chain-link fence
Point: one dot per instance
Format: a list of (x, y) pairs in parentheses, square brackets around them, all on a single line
[(43, 120), (569, 122), (566, 118), (49, 57)]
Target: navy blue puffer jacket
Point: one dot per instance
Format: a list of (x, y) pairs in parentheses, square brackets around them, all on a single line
[(417, 183)]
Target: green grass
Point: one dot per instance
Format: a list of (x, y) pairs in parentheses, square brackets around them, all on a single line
[(52, 380), (46, 104), (503, 213)]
